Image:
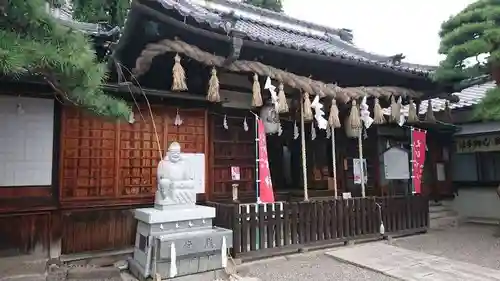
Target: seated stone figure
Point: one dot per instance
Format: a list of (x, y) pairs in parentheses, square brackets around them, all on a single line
[(175, 180)]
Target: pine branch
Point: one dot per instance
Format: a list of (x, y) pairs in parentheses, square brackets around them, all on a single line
[(33, 41)]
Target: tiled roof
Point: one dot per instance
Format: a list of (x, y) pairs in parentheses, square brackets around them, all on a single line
[(278, 29), (467, 97), (92, 29), (64, 17)]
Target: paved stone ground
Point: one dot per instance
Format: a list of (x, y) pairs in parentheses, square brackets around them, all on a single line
[(412, 265), (467, 243), (313, 266)]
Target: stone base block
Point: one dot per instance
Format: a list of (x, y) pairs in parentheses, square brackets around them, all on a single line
[(185, 266), (174, 214)]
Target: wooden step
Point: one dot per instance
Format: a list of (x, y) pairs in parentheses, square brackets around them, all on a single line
[(443, 222), (442, 214), (435, 209)]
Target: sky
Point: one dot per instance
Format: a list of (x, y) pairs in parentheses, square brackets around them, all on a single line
[(386, 27)]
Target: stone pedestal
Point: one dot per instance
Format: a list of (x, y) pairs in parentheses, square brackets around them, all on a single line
[(178, 240)]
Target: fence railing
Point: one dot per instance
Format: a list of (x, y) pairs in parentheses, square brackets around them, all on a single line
[(270, 229)]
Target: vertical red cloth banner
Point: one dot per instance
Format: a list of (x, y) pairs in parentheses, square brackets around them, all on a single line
[(266, 193), (418, 139)]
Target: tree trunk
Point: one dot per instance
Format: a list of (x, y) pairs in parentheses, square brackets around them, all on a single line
[(495, 73)]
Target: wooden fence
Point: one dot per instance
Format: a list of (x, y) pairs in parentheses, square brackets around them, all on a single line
[(270, 229)]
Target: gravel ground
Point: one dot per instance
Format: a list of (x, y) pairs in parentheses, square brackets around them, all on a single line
[(468, 243), (313, 266)]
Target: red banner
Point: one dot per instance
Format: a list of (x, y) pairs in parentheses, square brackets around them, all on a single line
[(265, 184), (418, 139)]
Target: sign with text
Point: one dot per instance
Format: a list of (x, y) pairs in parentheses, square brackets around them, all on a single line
[(478, 144), (356, 170), (265, 184), (418, 139), (235, 173)]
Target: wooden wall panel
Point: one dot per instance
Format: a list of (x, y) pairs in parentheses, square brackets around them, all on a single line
[(106, 162), (88, 156), (191, 134), (26, 198), (140, 154), (97, 230), (24, 234)]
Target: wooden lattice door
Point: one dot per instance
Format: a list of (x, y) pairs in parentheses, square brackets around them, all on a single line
[(232, 147)]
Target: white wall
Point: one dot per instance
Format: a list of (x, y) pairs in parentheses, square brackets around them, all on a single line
[(26, 140), (477, 203)]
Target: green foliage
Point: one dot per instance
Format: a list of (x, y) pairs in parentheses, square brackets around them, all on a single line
[(113, 12), (489, 108), (472, 32), (31, 41), (273, 5)]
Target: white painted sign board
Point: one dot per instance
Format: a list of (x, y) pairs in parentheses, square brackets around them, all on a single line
[(197, 163), (396, 164)]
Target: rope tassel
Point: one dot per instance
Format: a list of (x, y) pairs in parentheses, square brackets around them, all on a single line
[(394, 110), (354, 119), (412, 113), (213, 87), (308, 115), (282, 104), (429, 115), (333, 118), (256, 94), (378, 114), (178, 75)]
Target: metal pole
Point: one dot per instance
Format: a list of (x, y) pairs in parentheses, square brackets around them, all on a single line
[(303, 148), (334, 162), (360, 148)]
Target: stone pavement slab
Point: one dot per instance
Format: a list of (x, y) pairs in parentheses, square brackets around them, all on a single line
[(411, 265)]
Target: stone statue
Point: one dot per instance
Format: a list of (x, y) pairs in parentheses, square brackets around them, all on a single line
[(175, 181)]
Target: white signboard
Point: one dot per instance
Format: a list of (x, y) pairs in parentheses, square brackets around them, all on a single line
[(346, 195), (396, 164), (356, 170), (197, 163), (440, 172), (235, 173)]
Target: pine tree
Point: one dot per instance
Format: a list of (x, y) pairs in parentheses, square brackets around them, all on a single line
[(466, 38), (32, 42), (273, 5), (113, 12)]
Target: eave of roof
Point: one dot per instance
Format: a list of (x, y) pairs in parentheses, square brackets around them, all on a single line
[(277, 29), (64, 17), (467, 98)]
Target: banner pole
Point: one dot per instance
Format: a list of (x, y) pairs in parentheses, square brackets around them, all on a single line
[(257, 160), (360, 148), (303, 150), (334, 162)]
